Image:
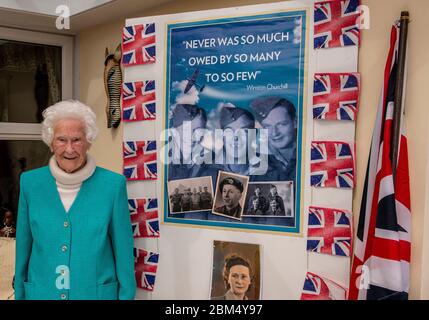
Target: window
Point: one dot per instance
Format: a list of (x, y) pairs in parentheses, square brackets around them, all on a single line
[(35, 71)]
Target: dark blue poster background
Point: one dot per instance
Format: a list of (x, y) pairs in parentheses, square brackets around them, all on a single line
[(213, 64)]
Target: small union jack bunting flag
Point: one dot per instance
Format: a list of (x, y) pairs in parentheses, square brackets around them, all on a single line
[(321, 288), (144, 217), (329, 231), (332, 164), (336, 24), (145, 266), (140, 160), (336, 96), (138, 44), (138, 101)]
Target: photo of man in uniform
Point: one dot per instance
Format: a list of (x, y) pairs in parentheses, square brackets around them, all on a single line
[(278, 116), (230, 195), (195, 200), (254, 208), (206, 199), (274, 209), (262, 201), (275, 196), (176, 201)]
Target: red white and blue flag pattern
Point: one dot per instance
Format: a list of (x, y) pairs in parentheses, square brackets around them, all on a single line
[(332, 164), (336, 96), (329, 231), (138, 101), (138, 44), (140, 160), (336, 24), (145, 266), (317, 287), (382, 252), (144, 217)]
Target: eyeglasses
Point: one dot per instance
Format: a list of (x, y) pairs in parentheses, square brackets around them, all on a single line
[(63, 141)]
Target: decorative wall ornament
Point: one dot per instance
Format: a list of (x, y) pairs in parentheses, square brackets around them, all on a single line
[(112, 85)]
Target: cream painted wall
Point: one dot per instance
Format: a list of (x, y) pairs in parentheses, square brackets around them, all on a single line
[(107, 148)]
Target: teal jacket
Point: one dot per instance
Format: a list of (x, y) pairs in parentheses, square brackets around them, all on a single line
[(83, 254)]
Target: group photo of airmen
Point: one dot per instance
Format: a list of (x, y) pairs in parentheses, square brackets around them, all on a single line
[(190, 195), (273, 199)]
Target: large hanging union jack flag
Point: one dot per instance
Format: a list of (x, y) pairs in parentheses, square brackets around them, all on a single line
[(335, 96), (138, 101), (140, 160), (336, 24), (145, 266), (383, 241), (321, 288), (329, 231), (144, 217), (138, 44), (332, 164)]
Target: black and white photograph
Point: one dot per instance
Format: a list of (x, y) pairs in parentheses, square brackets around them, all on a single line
[(230, 195), (189, 195), (270, 199)]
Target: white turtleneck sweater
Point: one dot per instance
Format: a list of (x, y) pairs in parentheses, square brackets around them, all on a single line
[(68, 184)]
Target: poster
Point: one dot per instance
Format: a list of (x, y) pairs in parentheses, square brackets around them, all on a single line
[(234, 103)]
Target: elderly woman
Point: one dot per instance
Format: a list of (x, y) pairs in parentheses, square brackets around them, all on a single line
[(237, 277), (74, 235)]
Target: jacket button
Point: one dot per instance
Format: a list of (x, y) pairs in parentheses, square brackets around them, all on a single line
[(66, 224), (64, 248), (63, 296)]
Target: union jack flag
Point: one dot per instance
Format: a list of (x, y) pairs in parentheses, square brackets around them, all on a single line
[(140, 160), (383, 239), (145, 266), (332, 164), (336, 24), (138, 101), (335, 96), (144, 217), (320, 288), (138, 44), (329, 231)]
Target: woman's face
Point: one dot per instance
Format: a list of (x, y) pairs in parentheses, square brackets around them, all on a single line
[(239, 279), (70, 144), (281, 128)]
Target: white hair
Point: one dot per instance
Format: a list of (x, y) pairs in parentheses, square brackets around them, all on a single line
[(68, 109)]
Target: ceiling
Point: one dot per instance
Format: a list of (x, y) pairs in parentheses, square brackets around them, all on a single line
[(41, 15), (48, 7)]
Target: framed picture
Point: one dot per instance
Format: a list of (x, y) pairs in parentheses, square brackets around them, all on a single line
[(230, 195), (236, 273), (190, 195), (234, 103), (270, 199)]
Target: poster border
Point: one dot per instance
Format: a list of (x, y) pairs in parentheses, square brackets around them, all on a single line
[(296, 230)]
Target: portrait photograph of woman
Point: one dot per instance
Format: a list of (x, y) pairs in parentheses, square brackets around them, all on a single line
[(236, 271)]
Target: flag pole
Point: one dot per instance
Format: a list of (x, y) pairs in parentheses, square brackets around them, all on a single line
[(399, 86)]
